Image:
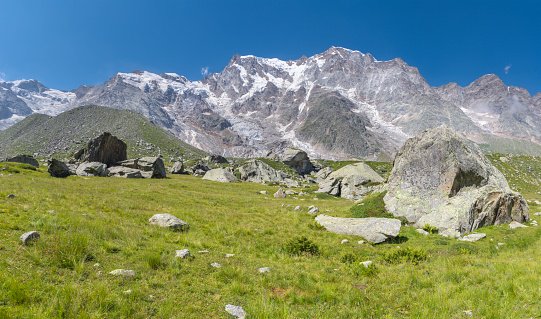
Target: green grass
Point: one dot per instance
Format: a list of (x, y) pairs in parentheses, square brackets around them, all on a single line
[(85, 221), (371, 206)]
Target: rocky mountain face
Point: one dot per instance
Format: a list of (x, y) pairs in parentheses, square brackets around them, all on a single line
[(338, 104)]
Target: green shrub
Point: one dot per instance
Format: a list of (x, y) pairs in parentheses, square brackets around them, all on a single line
[(431, 229), (360, 270), (464, 248), (316, 226), (348, 258), (301, 246), (414, 256), (154, 261), (371, 206)]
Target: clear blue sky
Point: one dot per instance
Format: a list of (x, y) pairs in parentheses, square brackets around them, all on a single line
[(65, 44)]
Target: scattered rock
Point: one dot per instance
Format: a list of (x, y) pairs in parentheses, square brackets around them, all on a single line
[(537, 214), (313, 210), (263, 270), (200, 168), (444, 180), (182, 253), (351, 181), (501, 244), (124, 172), (105, 148), (297, 208), (58, 169), (97, 265), (375, 230), (264, 193), (514, 225), (92, 169), (291, 192), (11, 196), (361, 242), (25, 159), (127, 292), (222, 175), (178, 168), (122, 272), (216, 265), (344, 241), (298, 160), (150, 166), (280, 194), (229, 255), (324, 173), (366, 263), (473, 237), (217, 159), (422, 231), (235, 311), (258, 172), (29, 236), (170, 221), (203, 252)]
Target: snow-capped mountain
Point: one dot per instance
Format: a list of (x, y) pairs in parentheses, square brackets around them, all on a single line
[(337, 104)]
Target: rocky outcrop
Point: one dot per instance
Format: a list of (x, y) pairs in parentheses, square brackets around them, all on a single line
[(351, 181), (258, 172), (150, 167), (443, 180), (217, 159), (178, 168), (374, 230), (200, 168), (92, 169), (58, 168), (105, 148), (298, 160), (222, 174), (25, 159)]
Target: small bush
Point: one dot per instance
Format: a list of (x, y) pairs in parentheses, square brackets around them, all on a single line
[(316, 226), (431, 229), (154, 261), (414, 256), (360, 270), (464, 248), (348, 258), (301, 246), (371, 206)]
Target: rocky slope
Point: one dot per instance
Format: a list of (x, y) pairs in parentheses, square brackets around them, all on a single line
[(337, 104)]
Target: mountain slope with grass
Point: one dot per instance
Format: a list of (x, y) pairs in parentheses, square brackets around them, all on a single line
[(64, 134)]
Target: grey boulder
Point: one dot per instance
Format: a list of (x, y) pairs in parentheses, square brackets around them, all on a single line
[(178, 168), (222, 175), (473, 237), (25, 159), (58, 168), (124, 172), (374, 230), (29, 236), (259, 172), (105, 148), (350, 182), (169, 221), (298, 160), (235, 311), (444, 180), (92, 169), (150, 166)]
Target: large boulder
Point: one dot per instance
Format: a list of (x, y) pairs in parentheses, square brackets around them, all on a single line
[(178, 168), (58, 168), (374, 230), (92, 169), (200, 168), (222, 174), (298, 160), (105, 148), (444, 180), (25, 159), (351, 181), (259, 172), (150, 166), (124, 172), (217, 159)]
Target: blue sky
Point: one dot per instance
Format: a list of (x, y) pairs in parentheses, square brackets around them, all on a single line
[(65, 44)]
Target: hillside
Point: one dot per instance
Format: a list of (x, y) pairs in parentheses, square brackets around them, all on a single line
[(66, 133)]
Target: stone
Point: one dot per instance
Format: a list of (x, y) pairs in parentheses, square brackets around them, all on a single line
[(217, 159), (366, 263), (514, 225), (122, 272), (235, 311), (178, 168), (501, 244), (216, 265), (229, 255), (257, 171), (169, 221), (58, 169), (280, 194), (344, 241), (298, 160), (324, 173), (444, 180), (222, 175), (291, 183), (361, 242), (200, 168), (124, 172), (106, 148), (330, 186), (97, 265), (473, 237), (29, 236), (264, 193), (150, 166), (127, 292), (182, 253), (273, 156), (291, 192), (351, 181), (313, 210), (297, 208), (11, 196), (25, 159), (537, 214), (92, 169), (422, 231), (203, 252), (374, 230), (263, 270)]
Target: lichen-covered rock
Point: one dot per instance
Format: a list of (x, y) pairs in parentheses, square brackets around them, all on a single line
[(92, 169), (298, 160), (150, 166), (258, 172), (280, 193), (125, 172), (105, 148), (374, 230), (443, 180), (29, 236), (217, 159), (351, 181), (222, 174), (25, 159), (178, 168), (58, 168), (169, 221)]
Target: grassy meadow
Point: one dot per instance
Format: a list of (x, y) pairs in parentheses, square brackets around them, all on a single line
[(85, 221)]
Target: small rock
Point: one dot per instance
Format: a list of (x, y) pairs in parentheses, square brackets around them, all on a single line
[(216, 265), (297, 208), (182, 253), (203, 252), (291, 192), (263, 270), (29, 236), (313, 210), (97, 265), (264, 192), (11, 196), (235, 311), (422, 232), (122, 272), (344, 241), (501, 244), (468, 313), (170, 221), (229, 255), (473, 237), (366, 263), (127, 292), (514, 225), (280, 194), (537, 214), (361, 242)]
